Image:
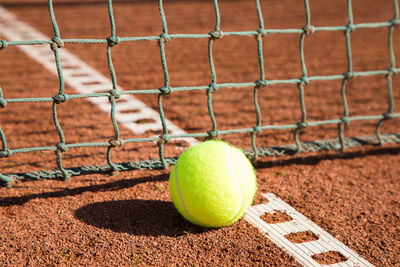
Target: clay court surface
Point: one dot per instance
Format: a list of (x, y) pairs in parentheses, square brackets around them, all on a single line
[(128, 218)]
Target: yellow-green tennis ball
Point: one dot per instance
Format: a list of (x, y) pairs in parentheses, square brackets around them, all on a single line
[(212, 184)]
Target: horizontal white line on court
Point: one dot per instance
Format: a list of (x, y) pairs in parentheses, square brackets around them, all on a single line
[(302, 252)]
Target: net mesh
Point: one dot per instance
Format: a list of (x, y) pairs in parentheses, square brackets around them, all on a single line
[(339, 143)]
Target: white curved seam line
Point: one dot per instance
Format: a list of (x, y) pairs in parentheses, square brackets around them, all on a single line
[(179, 191), (235, 180)]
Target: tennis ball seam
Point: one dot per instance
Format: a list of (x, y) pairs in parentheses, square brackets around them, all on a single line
[(180, 193), (236, 181)]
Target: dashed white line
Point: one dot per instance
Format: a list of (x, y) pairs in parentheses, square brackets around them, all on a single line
[(302, 252)]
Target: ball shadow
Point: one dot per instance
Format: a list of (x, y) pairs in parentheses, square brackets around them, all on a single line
[(137, 217)]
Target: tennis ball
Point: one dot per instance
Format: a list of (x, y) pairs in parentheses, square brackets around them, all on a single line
[(212, 184)]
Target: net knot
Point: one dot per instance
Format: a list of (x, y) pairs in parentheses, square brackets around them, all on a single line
[(256, 129), (308, 29), (261, 83), (345, 120), (165, 38), (349, 75), (3, 44), (5, 153), (61, 147), (114, 94), (302, 125), (66, 175), (260, 34), (216, 35), (60, 98), (112, 40), (392, 71), (350, 28), (116, 142), (165, 90), (212, 134), (56, 42), (163, 139), (395, 22), (304, 80), (3, 103), (212, 88), (389, 115)]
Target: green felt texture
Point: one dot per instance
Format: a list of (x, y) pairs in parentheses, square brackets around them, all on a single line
[(216, 184)]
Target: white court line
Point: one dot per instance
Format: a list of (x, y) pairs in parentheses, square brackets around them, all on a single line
[(84, 79), (302, 252)]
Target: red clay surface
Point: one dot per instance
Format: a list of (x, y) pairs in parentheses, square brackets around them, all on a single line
[(128, 218)]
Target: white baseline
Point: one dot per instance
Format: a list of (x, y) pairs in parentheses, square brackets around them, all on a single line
[(302, 252)]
